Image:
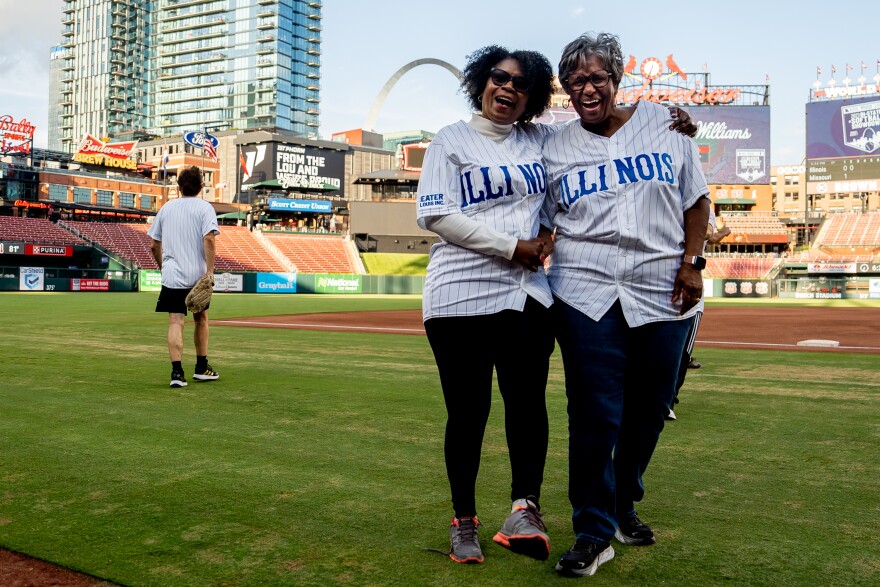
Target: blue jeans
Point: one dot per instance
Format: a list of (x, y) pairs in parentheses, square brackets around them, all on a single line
[(619, 382)]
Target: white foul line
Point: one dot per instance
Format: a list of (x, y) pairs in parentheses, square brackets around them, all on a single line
[(787, 345), (421, 331)]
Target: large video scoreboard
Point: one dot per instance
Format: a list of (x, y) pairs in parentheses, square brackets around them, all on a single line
[(843, 145)]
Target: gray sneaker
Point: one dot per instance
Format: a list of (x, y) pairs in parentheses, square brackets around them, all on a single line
[(524, 530), (464, 545)]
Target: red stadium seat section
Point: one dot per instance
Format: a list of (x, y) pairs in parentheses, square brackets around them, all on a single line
[(36, 231), (314, 254)]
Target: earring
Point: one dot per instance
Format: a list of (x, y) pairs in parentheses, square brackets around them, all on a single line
[(566, 104), (480, 99)]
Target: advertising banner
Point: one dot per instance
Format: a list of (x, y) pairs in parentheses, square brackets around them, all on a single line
[(276, 282), (31, 279), (734, 143), (90, 285), (843, 128), (288, 205), (49, 250), (228, 282), (874, 286), (198, 138), (338, 283), (93, 151), (831, 268), (745, 288), (150, 280), (294, 167), (15, 137)]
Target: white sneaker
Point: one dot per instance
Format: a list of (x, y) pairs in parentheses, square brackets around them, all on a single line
[(671, 415)]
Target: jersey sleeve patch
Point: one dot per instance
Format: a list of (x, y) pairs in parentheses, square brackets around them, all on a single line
[(430, 201)]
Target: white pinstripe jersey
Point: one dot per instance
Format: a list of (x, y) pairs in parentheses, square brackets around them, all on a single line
[(618, 205), (181, 225), (500, 184)]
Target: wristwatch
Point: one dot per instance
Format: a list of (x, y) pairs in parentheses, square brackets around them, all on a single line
[(697, 261)]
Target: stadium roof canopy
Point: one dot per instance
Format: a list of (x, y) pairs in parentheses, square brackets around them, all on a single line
[(73, 206), (388, 176), (274, 184), (737, 201)]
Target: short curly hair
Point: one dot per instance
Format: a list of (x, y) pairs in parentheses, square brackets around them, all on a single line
[(535, 68), (605, 46), (190, 181)]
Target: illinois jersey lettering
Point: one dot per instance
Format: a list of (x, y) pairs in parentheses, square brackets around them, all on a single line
[(643, 167), (497, 182)]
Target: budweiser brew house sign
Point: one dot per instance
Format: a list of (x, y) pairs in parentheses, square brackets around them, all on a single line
[(15, 137), (93, 151)]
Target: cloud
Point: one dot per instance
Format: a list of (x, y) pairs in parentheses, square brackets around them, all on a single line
[(578, 11)]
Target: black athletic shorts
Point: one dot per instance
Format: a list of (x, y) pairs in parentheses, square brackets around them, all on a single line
[(173, 300)]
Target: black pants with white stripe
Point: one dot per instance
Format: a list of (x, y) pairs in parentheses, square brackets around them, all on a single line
[(686, 355), (517, 346)]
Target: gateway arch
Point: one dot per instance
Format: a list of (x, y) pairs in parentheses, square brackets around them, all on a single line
[(370, 124)]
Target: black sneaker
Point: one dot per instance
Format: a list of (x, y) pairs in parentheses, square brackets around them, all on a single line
[(177, 379), (584, 558), (693, 364), (634, 532), (206, 374)]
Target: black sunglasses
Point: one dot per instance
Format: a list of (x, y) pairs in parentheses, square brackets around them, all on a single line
[(500, 77), (598, 78)]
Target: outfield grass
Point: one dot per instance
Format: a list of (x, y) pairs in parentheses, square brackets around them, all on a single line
[(395, 263), (316, 459)]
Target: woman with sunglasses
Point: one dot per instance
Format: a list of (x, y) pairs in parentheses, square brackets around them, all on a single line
[(629, 203), (481, 189)]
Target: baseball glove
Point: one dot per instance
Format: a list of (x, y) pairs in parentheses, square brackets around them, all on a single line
[(200, 295)]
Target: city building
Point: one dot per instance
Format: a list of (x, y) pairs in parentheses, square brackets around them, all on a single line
[(135, 69)]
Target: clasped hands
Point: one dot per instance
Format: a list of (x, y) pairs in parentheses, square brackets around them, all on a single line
[(531, 253)]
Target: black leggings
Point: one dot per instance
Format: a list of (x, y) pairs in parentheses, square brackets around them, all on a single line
[(518, 345)]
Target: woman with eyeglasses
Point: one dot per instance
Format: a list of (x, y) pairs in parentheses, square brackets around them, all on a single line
[(486, 298), (629, 203)]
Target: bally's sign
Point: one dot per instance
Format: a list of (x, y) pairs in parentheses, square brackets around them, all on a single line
[(93, 151), (15, 137)]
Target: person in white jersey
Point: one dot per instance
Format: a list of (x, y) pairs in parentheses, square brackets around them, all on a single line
[(629, 203), (182, 236), (481, 190)]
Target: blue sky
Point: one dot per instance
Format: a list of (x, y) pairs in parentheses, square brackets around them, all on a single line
[(366, 41)]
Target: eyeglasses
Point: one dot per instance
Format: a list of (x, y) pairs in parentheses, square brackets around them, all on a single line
[(500, 78), (598, 78)]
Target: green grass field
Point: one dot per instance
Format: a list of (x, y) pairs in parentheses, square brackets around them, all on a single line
[(395, 263), (316, 459)]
